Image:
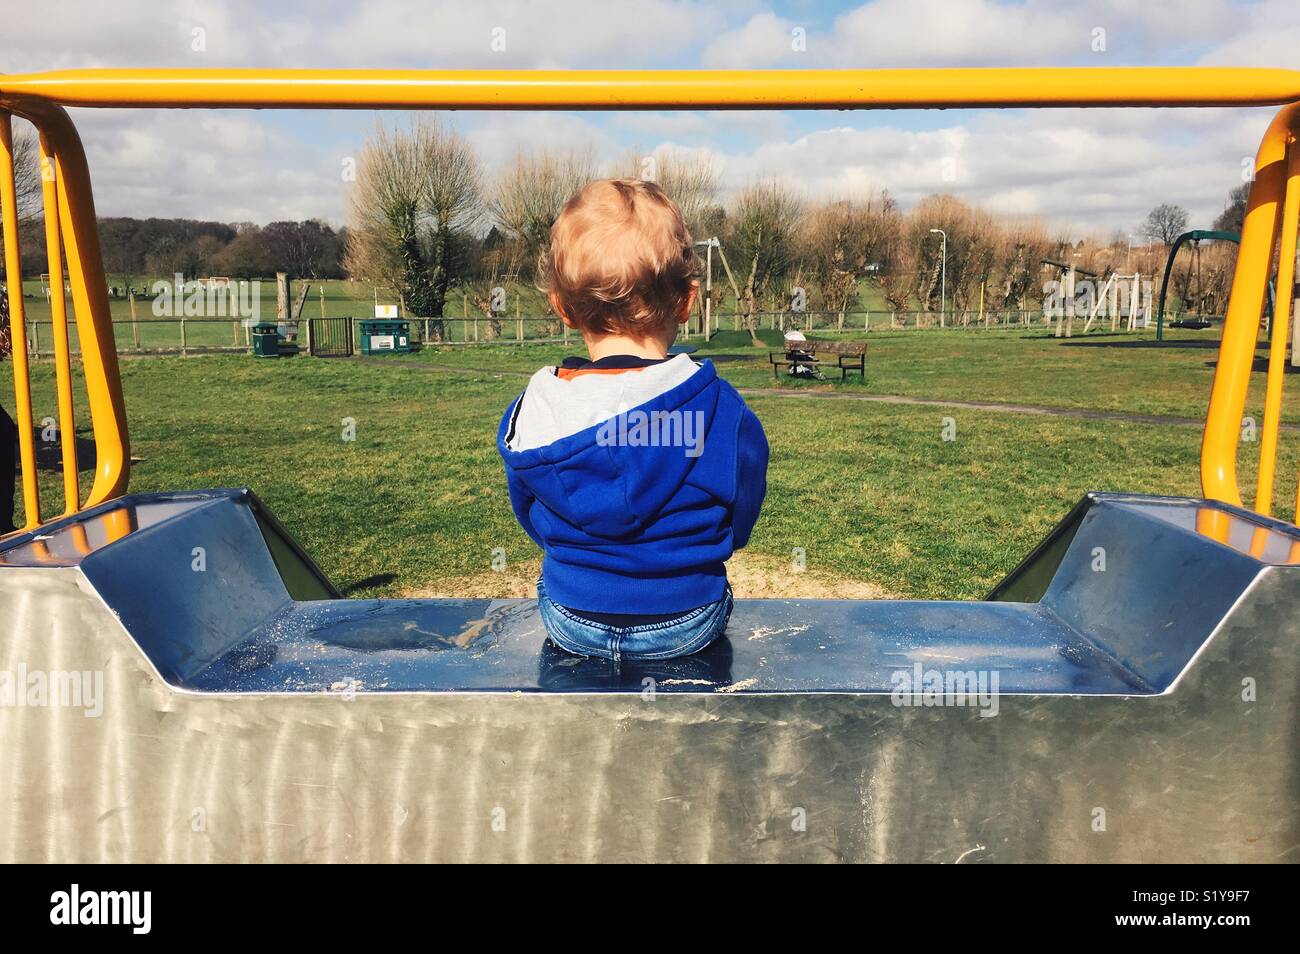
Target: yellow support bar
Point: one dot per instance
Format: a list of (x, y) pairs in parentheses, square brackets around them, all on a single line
[(1281, 324), (1245, 307), (18, 325), (90, 302), (59, 320), (658, 89)]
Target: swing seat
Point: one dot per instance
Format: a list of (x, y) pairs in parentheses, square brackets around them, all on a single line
[(1189, 323)]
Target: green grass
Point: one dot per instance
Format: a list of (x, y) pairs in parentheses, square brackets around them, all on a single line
[(870, 491), (1122, 372)]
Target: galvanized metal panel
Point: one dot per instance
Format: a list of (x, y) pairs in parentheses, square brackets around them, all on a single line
[(1205, 771)]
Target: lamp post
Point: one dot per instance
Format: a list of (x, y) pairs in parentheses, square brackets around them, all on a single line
[(709, 246), (943, 278)]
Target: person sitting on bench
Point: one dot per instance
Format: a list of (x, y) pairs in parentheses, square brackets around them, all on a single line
[(802, 358)]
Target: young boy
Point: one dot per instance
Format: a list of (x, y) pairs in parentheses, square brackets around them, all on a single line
[(637, 474)]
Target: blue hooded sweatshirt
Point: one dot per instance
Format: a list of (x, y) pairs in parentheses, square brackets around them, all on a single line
[(635, 506)]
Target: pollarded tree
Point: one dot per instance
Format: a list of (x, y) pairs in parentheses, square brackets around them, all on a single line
[(689, 177), (761, 241), (531, 191), (417, 189), (1023, 246), (839, 243)]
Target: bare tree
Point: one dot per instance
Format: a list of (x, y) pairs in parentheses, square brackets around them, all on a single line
[(27, 173), (530, 193), (416, 189), (899, 261), (27, 176), (1022, 250), (1233, 216), (761, 242), (303, 249), (839, 242), (1165, 223), (689, 177)]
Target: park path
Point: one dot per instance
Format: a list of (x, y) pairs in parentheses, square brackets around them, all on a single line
[(998, 407)]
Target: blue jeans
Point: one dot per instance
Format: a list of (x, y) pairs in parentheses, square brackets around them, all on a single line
[(682, 636)]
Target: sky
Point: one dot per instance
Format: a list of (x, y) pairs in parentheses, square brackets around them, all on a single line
[(1084, 171)]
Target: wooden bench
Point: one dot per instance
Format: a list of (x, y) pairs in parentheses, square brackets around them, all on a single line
[(849, 355)]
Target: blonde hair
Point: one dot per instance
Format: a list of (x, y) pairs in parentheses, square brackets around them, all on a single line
[(621, 259)]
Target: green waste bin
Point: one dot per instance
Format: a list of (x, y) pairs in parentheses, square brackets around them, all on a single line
[(266, 340), (385, 336)]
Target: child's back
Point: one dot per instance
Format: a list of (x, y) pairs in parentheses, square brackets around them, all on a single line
[(637, 474)]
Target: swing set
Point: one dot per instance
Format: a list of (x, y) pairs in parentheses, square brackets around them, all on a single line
[(1196, 237)]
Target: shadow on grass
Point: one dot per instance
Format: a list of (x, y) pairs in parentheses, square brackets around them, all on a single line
[(1145, 343), (378, 579), (49, 454)]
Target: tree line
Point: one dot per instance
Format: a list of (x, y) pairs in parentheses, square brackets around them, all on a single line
[(425, 217), (426, 220)]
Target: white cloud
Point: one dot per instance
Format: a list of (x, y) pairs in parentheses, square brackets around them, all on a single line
[(484, 34), (944, 33), (1098, 169), (1093, 170), (205, 164)]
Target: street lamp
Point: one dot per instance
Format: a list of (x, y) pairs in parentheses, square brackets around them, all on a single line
[(943, 277), (709, 245)]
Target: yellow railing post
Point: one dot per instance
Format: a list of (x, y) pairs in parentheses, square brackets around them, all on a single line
[(59, 320), (18, 325), (80, 234), (1281, 324), (1245, 307)]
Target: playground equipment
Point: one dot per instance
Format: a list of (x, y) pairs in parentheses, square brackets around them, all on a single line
[(1138, 708), (1196, 237), (1120, 295), (1064, 305)]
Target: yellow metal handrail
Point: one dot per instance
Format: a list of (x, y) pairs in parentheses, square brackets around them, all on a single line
[(657, 89), (1273, 207), (69, 217)]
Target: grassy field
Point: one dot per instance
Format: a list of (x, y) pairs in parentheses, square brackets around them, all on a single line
[(871, 492), (1127, 373), (149, 331)]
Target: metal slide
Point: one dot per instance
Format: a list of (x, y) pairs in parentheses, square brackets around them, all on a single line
[(1138, 668)]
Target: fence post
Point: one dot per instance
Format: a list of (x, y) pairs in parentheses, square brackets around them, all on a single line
[(182, 337), (281, 296), (135, 325), (519, 322), (35, 336)]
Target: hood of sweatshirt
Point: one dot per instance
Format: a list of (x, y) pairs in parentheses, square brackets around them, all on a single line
[(607, 452)]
